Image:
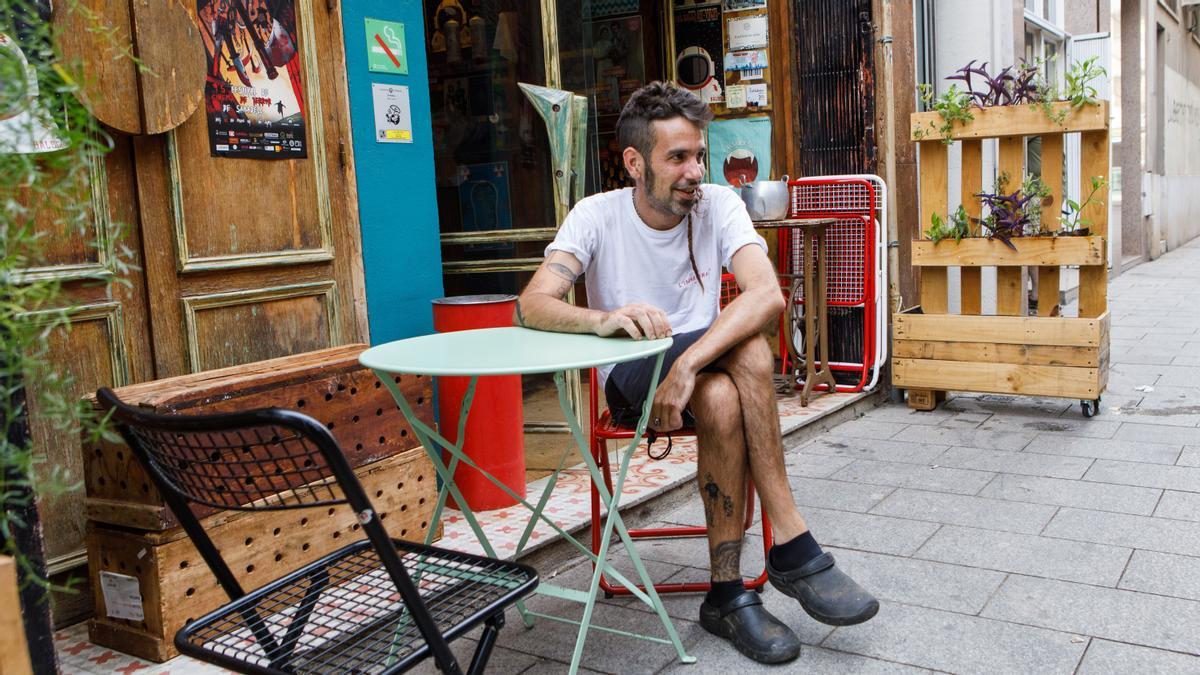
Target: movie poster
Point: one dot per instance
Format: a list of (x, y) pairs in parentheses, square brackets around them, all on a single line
[(253, 97), (739, 151), (699, 49)]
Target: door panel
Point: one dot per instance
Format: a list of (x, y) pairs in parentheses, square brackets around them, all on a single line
[(228, 329), (108, 343)]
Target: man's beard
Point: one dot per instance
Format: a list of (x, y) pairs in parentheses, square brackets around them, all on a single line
[(671, 203)]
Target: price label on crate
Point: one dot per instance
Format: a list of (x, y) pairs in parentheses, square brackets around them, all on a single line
[(122, 596)]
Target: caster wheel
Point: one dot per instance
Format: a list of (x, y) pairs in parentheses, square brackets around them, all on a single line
[(1090, 408), (608, 596)]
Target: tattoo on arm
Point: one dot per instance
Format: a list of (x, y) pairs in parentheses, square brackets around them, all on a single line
[(520, 315), (562, 271), (726, 561)]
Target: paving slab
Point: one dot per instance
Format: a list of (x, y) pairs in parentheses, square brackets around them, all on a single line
[(1185, 414), (922, 583), (1179, 505), (1069, 426), (1164, 574), (1130, 450), (927, 477), (972, 438), (957, 643), (1028, 463), (1119, 529), (863, 532), (611, 653), (1113, 657), (1124, 616), (1003, 403), (863, 427), (1084, 562), (1189, 457), (952, 509), (883, 450), (836, 494), (1183, 478), (714, 657), (1160, 433), (1079, 494), (803, 464)]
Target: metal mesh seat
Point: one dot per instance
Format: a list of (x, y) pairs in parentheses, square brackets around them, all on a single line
[(378, 605)]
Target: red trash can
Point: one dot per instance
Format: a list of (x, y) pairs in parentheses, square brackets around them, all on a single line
[(496, 424)]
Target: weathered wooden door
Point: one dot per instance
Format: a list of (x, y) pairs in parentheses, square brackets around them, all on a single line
[(239, 259), (250, 259)]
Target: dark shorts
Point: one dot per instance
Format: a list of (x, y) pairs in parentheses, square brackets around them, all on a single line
[(628, 382)]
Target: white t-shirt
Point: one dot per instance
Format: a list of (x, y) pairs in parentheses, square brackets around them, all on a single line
[(626, 261)]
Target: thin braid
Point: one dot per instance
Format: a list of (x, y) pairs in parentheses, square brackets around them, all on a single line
[(692, 256)]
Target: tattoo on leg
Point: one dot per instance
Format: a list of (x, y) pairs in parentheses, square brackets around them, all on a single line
[(711, 494), (520, 315), (726, 561)]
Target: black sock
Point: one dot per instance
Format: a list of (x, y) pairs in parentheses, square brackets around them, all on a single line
[(792, 554), (724, 591)]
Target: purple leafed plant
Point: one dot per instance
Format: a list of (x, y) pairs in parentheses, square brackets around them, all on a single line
[(1007, 216), (1010, 86)]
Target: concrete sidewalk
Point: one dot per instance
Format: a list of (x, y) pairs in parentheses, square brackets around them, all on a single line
[(1002, 534)]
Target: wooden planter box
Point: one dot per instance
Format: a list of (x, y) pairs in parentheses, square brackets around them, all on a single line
[(1010, 352), (328, 384), (174, 585)]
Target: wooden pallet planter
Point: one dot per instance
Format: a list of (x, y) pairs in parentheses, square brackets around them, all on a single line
[(1010, 353), (174, 585), (329, 384)]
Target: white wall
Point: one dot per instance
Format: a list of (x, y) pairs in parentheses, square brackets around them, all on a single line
[(1177, 203), (981, 30)]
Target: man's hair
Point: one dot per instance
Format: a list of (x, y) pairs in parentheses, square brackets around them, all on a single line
[(654, 102)]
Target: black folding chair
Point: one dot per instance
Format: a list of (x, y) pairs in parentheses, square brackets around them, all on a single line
[(379, 605)]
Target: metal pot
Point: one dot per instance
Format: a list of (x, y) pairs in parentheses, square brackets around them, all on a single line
[(767, 199)]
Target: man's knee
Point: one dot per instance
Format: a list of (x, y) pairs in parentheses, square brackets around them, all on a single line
[(715, 401), (751, 356)]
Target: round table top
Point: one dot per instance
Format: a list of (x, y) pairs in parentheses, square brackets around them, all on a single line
[(504, 351)]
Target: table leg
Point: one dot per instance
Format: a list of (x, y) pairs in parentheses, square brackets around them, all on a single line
[(432, 442), (614, 522), (810, 325)]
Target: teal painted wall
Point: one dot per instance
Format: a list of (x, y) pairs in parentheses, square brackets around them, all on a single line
[(396, 194)]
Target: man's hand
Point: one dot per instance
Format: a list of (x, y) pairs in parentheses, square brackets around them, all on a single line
[(639, 320), (671, 397)]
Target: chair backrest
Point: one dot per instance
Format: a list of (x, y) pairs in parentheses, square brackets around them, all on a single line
[(266, 459)]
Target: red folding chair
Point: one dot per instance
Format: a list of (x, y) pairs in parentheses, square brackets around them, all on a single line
[(604, 429)]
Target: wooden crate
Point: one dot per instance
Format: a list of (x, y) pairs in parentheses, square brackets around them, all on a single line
[(328, 384), (14, 650), (176, 586), (1010, 352)]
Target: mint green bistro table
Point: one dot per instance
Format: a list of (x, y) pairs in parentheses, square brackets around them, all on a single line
[(518, 351)]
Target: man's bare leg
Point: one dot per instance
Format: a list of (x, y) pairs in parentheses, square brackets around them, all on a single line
[(751, 365), (796, 565), (729, 610), (721, 471)]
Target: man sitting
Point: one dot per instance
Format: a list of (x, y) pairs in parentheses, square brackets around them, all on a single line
[(653, 256)]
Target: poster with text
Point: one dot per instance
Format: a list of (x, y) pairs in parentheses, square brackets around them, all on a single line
[(253, 97), (739, 151), (699, 50)]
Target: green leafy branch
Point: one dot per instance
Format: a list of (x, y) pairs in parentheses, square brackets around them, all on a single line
[(1073, 220), (952, 106)]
